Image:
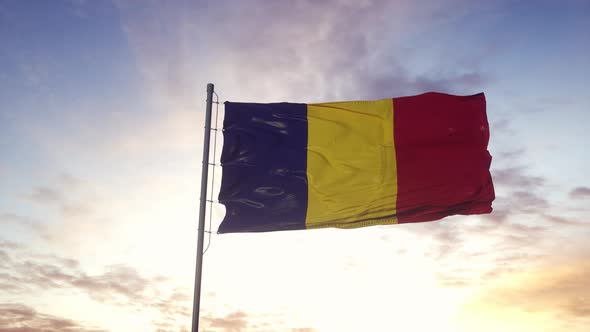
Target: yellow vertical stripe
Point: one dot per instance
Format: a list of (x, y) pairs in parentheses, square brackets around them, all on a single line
[(351, 165)]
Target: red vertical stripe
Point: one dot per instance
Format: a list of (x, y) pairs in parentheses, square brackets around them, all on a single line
[(442, 159)]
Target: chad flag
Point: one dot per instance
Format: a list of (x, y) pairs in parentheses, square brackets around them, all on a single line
[(351, 164)]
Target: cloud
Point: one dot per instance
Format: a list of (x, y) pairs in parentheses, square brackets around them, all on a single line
[(511, 155), (28, 222), (580, 193), (448, 238), (118, 284), (172, 308), (70, 207), (9, 244), (26, 273), (22, 318), (460, 266), (528, 201), (54, 194), (563, 221), (561, 289), (304, 51), (521, 218), (44, 195), (239, 321), (233, 322), (474, 250), (517, 193), (503, 126), (516, 177), (76, 210), (522, 194)]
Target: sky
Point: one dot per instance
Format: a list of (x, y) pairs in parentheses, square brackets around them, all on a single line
[(101, 136)]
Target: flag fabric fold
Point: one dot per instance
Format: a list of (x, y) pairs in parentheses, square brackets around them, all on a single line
[(289, 166)]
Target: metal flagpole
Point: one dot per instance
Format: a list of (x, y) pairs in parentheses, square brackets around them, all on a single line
[(203, 205)]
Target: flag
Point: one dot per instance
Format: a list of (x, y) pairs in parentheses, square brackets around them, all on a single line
[(289, 166)]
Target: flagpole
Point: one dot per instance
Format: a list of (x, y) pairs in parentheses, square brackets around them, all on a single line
[(203, 205)]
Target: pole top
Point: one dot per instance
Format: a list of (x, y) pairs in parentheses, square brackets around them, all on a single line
[(210, 87)]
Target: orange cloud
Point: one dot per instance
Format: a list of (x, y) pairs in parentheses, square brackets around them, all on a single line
[(21, 318), (551, 297)]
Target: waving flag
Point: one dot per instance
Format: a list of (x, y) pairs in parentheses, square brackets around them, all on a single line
[(290, 166)]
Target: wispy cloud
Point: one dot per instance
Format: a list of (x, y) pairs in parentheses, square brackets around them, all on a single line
[(44, 195), (523, 217), (580, 193), (561, 289), (61, 212), (322, 50), (24, 273), (119, 284), (563, 221), (67, 207), (22, 318), (239, 321), (233, 322), (464, 258), (517, 177), (22, 221)]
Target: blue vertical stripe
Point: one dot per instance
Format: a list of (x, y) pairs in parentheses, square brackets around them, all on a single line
[(264, 159)]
